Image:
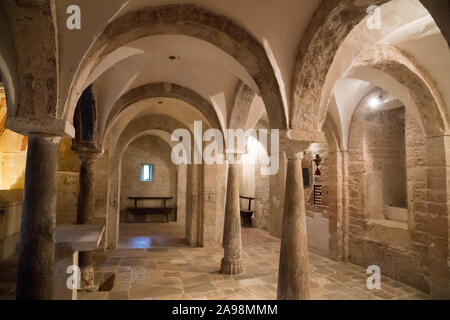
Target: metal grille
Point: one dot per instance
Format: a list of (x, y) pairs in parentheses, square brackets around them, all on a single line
[(317, 194)]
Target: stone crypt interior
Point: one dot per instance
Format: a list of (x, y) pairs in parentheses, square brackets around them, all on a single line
[(361, 99)]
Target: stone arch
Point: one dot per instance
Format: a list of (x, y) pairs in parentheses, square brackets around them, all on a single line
[(136, 127), (427, 215), (330, 25), (173, 169), (36, 53), (162, 90), (8, 63), (189, 20), (421, 88), (241, 107)]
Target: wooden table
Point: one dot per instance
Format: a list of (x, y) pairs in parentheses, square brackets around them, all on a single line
[(151, 210)]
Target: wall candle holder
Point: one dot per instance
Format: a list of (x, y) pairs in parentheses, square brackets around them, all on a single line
[(317, 161)]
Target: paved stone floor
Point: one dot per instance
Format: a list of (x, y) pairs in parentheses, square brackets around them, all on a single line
[(153, 262), (163, 267)]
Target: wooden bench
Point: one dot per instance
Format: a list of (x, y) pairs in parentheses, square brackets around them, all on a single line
[(246, 214), (151, 210)]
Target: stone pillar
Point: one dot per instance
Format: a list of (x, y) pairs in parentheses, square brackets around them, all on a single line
[(438, 219), (293, 271), (338, 205), (86, 209), (232, 243), (37, 240)]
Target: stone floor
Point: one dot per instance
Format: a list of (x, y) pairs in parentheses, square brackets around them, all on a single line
[(153, 262)]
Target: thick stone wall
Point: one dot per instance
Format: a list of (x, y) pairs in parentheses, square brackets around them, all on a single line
[(385, 155), (399, 248), (153, 151), (68, 185), (317, 214)]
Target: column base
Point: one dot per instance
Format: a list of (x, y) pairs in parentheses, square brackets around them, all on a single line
[(231, 267)]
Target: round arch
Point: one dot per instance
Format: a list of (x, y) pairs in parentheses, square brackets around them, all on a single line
[(395, 71), (133, 129), (162, 90), (317, 52), (192, 21)]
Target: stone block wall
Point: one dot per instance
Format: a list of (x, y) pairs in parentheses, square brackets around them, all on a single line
[(10, 221), (153, 151), (262, 191), (277, 195), (384, 136), (253, 184), (68, 185), (401, 249)]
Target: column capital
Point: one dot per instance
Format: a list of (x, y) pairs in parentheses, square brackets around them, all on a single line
[(87, 152), (294, 142), (50, 127)]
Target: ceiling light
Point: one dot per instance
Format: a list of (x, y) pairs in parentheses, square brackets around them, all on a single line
[(374, 102)]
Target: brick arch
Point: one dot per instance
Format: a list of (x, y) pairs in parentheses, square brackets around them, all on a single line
[(193, 21), (162, 90)]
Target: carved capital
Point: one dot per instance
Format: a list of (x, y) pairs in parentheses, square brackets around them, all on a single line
[(294, 142)]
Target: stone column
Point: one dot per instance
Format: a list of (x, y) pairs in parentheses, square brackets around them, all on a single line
[(37, 240), (86, 209), (232, 243), (293, 272)]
